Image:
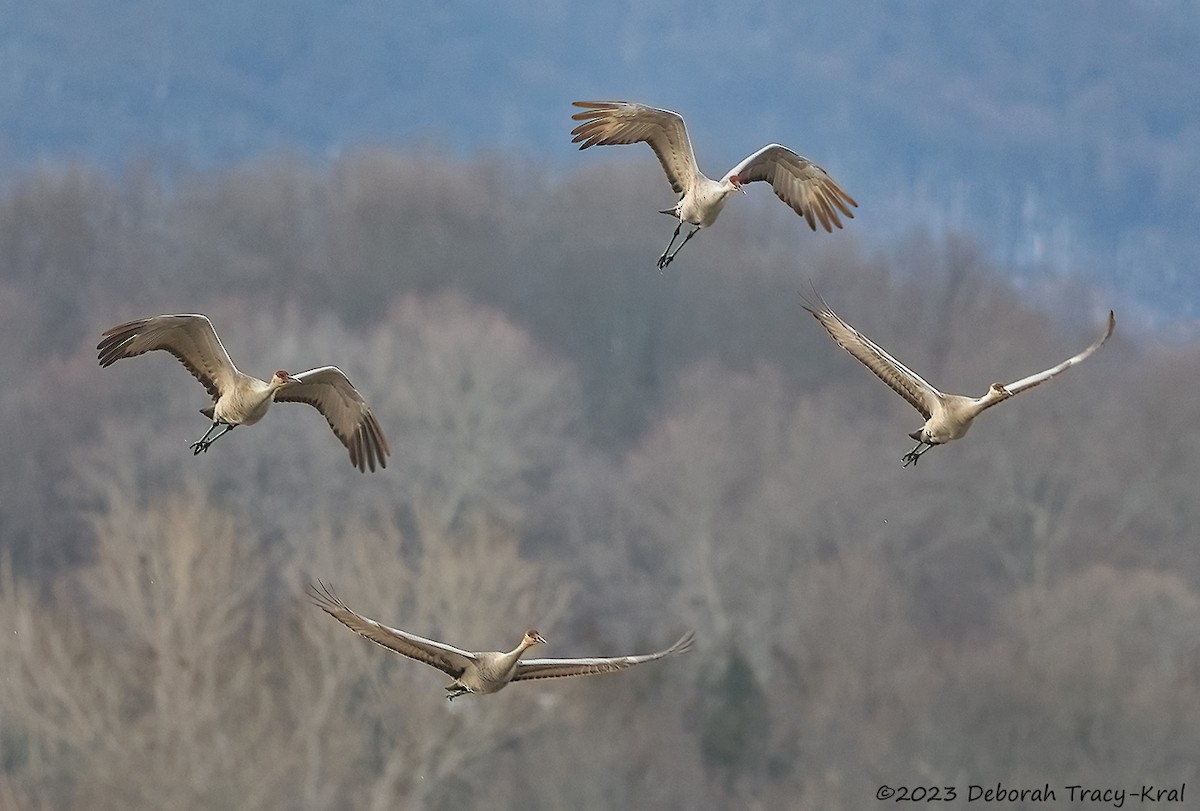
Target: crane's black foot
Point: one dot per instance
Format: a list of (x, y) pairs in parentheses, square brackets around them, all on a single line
[(912, 456), (201, 444), (454, 691), (665, 260)]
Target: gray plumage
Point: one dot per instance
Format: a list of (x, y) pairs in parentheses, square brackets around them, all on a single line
[(479, 672), (803, 185), (240, 399), (947, 416)]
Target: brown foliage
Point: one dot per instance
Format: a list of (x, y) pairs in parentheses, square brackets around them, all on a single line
[(583, 444)]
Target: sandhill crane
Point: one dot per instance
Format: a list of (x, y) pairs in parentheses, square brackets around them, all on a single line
[(239, 399), (797, 181), (947, 416), (485, 672)]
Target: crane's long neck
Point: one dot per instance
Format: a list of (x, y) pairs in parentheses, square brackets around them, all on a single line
[(265, 394), (996, 393), (719, 188), (507, 662), (275, 384), (513, 655)]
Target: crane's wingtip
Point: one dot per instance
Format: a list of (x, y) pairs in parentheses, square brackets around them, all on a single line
[(323, 595), (685, 642), (315, 589), (813, 307)]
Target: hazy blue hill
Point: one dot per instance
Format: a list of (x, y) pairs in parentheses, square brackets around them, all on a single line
[(1065, 134)]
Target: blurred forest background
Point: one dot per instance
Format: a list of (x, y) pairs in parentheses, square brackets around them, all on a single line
[(589, 446), (1065, 136), (581, 443)]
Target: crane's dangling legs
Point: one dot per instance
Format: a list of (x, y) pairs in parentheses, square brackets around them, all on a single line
[(203, 442), (912, 456), (665, 260)]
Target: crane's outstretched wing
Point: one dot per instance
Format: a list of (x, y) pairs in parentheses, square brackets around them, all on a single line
[(450, 660), (329, 391), (904, 381), (559, 668), (624, 122), (190, 338), (799, 182), (1041, 377)]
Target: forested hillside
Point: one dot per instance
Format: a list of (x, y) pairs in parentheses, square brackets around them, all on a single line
[(582, 444), (1063, 135)]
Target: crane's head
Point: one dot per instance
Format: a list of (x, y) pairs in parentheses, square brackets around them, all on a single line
[(532, 637), (737, 184), (281, 378)]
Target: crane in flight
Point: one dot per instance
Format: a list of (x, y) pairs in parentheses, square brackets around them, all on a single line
[(796, 180)]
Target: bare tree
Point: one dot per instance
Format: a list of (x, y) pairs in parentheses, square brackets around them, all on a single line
[(142, 678), (1097, 686), (695, 475), (476, 411)]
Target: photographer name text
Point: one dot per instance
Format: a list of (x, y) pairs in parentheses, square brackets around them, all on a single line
[(1000, 793)]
